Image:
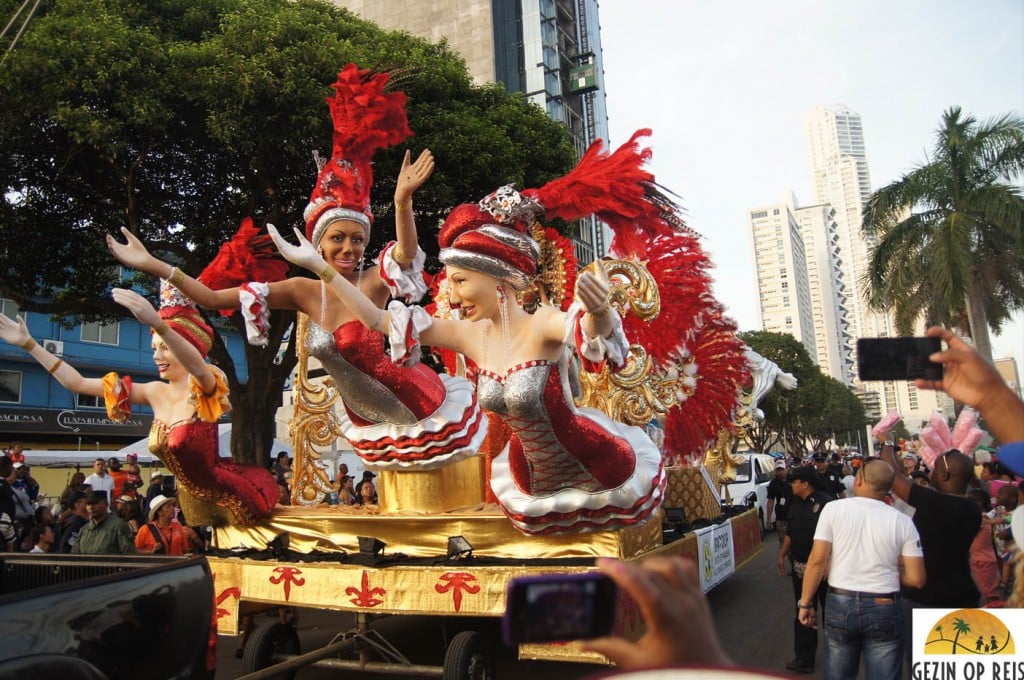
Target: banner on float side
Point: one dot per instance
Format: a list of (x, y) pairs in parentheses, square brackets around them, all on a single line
[(716, 561)]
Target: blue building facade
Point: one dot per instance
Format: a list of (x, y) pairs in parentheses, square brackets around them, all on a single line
[(36, 408)]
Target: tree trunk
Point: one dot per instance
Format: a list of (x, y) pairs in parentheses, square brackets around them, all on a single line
[(254, 403), (977, 318)]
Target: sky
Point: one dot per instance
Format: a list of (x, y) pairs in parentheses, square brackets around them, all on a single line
[(725, 86)]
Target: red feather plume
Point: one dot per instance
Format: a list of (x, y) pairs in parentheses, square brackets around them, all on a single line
[(248, 256)]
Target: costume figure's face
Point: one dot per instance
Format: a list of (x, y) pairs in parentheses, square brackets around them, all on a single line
[(343, 245), (472, 293), (166, 363)]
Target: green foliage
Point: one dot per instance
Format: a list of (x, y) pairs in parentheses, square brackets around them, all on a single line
[(177, 118), (951, 231), (819, 408)]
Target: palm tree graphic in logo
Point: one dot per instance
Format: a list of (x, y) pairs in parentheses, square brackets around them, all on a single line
[(975, 631)]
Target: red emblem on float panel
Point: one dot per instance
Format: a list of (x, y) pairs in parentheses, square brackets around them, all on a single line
[(457, 582), (366, 596), (234, 592), (287, 576)]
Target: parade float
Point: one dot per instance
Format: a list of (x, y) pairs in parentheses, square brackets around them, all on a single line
[(438, 544), (522, 458)]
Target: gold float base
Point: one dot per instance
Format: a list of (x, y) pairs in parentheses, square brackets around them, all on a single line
[(337, 528)]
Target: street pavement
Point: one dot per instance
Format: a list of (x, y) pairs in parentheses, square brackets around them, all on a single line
[(753, 613)]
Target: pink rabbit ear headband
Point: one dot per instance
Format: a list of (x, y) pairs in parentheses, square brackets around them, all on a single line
[(937, 438)]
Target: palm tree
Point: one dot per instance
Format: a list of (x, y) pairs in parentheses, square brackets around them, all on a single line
[(938, 629), (950, 233), (960, 626)]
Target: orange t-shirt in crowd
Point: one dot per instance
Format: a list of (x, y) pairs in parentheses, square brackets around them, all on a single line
[(119, 477), (173, 535)]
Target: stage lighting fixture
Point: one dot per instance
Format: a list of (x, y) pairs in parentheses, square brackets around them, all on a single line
[(459, 547), (368, 545)]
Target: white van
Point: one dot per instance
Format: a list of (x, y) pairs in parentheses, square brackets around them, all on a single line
[(752, 476)]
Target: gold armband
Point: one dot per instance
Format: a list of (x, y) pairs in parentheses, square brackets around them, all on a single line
[(600, 314), (399, 257), (327, 274), (28, 344), (175, 277), (399, 207), (53, 369)]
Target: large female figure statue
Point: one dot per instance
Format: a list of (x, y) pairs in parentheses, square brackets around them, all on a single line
[(186, 406), (395, 416), (566, 469)]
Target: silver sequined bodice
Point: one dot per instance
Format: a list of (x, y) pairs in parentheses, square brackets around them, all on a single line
[(525, 398), (363, 394)]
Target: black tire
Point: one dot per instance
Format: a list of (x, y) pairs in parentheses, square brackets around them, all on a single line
[(467, 658), (266, 641)]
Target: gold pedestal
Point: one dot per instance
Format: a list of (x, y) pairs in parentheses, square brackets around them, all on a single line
[(452, 487), (688, 489)]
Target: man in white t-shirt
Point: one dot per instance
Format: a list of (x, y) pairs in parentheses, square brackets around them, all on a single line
[(100, 479), (862, 542)]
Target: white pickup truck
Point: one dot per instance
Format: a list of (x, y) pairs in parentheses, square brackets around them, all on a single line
[(752, 476)]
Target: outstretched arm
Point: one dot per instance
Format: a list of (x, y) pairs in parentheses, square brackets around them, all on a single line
[(443, 333), (16, 333), (182, 349), (305, 255), (410, 178), (967, 377), (133, 254)]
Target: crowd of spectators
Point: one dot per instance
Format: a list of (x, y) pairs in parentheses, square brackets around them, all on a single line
[(102, 513)]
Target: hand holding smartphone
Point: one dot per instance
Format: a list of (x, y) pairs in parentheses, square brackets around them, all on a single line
[(559, 607), (898, 358)]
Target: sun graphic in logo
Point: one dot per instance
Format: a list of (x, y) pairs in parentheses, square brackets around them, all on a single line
[(969, 631), (709, 562)]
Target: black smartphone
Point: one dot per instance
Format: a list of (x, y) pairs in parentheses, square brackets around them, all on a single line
[(559, 607), (898, 358)]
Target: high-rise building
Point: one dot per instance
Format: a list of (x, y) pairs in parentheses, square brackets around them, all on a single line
[(828, 291), (800, 281), (781, 263), (548, 50), (1007, 368), (840, 178)]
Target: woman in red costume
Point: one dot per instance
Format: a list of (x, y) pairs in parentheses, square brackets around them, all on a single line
[(397, 417), (186, 406), (566, 469)]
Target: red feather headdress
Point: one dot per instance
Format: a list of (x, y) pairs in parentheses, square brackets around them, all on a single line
[(366, 118)]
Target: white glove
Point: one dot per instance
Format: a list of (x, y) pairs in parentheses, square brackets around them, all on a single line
[(304, 255)]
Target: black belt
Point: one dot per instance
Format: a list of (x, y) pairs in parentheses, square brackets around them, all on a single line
[(870, 596)]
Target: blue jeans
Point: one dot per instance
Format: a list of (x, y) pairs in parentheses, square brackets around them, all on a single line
[(857, 625)]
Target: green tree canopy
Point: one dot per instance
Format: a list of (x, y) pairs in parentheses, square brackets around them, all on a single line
[(950, 233), (177, 118)]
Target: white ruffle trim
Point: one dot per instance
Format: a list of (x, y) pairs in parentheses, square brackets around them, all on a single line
[(252, 298), (407, 322), (614, 347), (407, 450), (407, 284), (630, 504)]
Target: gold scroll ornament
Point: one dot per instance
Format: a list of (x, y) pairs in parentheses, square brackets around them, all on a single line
[(314, 423), (641, 390)]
